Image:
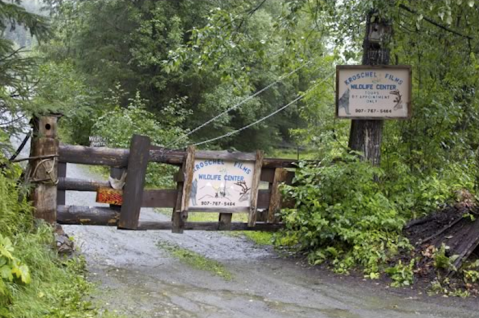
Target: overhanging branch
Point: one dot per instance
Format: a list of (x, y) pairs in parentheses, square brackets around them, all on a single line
[(437, 24)]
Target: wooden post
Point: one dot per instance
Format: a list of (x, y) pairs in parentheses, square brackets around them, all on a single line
[(135, 181), (180, 212), (366, 135), (43, 169), (275, 198), (254, 188), (224, 221), (62, 173)]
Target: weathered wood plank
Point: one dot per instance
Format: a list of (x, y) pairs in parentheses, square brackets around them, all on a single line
[(43, 172), (73, 184), (267, 174), (94, 155), (188, 175), (176, 220), (254, 188), (114, 157), (62, 173), (135, 181), (159, 198), (224, 221), (180, 214), (104, 216), (279, 163), (87, 215), (275, 198)]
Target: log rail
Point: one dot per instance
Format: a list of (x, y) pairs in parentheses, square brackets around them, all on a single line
[(114, 157), (268, 201)]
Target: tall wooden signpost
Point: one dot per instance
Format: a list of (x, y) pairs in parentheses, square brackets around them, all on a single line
[(374, 91), (366, 135)]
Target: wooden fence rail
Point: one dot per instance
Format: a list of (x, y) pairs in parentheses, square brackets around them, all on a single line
[(114, 157), (262, 209)]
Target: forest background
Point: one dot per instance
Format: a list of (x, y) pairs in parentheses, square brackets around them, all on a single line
[(163, 68)]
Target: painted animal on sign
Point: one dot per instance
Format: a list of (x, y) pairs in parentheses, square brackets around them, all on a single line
[(244, 194), (343, 102), (397, 100)]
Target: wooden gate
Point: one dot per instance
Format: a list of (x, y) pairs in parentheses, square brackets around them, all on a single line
[(261, 205)]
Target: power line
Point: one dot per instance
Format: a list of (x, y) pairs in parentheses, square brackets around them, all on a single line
[(265, 117), (239, 104)]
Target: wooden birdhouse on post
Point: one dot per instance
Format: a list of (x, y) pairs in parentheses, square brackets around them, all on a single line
[(377, 36), (379, 32)]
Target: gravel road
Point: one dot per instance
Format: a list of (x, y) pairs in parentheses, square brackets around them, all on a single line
[(136, 278)]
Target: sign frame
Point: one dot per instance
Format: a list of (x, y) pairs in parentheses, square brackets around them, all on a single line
[(375, 67), (229, 157)]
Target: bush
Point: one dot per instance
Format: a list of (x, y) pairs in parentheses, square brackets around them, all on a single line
[(117, 127), (342, 215)]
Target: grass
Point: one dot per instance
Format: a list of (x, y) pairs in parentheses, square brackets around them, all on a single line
[(196, 260), (258, 237), (58, 286)]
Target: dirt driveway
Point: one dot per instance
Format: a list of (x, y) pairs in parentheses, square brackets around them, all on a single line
[(139, 278)]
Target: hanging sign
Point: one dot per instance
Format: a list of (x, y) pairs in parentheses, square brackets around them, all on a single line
[(373, 92), (220, 184)]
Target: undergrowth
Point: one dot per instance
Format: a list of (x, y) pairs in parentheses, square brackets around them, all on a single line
[(34, 280), (350, 215)]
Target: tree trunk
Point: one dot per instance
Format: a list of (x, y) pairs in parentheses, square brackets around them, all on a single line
[(366, 135)]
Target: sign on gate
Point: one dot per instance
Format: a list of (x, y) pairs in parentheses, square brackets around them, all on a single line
[(373, 92), (221, 184)]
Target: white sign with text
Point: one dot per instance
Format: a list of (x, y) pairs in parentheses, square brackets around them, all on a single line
[(365, 92), (221, 184)]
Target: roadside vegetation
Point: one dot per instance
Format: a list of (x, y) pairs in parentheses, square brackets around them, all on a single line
[(34, 280), (114, 68)]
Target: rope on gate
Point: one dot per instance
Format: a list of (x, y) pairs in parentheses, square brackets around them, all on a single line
[(49, 170)]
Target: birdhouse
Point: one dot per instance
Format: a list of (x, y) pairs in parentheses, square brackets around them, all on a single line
[(379, 32)]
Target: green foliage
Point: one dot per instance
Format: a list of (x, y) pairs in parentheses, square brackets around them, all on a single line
[(117, 127), (210, 54), (471, 272), (259, 238), (11, 268), (441, 261), (34, 281), (16, 66), (401, 274), (196, 260), (342, 215), (471, 276), (62, 89)]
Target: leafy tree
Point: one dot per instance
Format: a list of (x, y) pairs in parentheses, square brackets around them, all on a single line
[(16, 80), (215, 53)]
